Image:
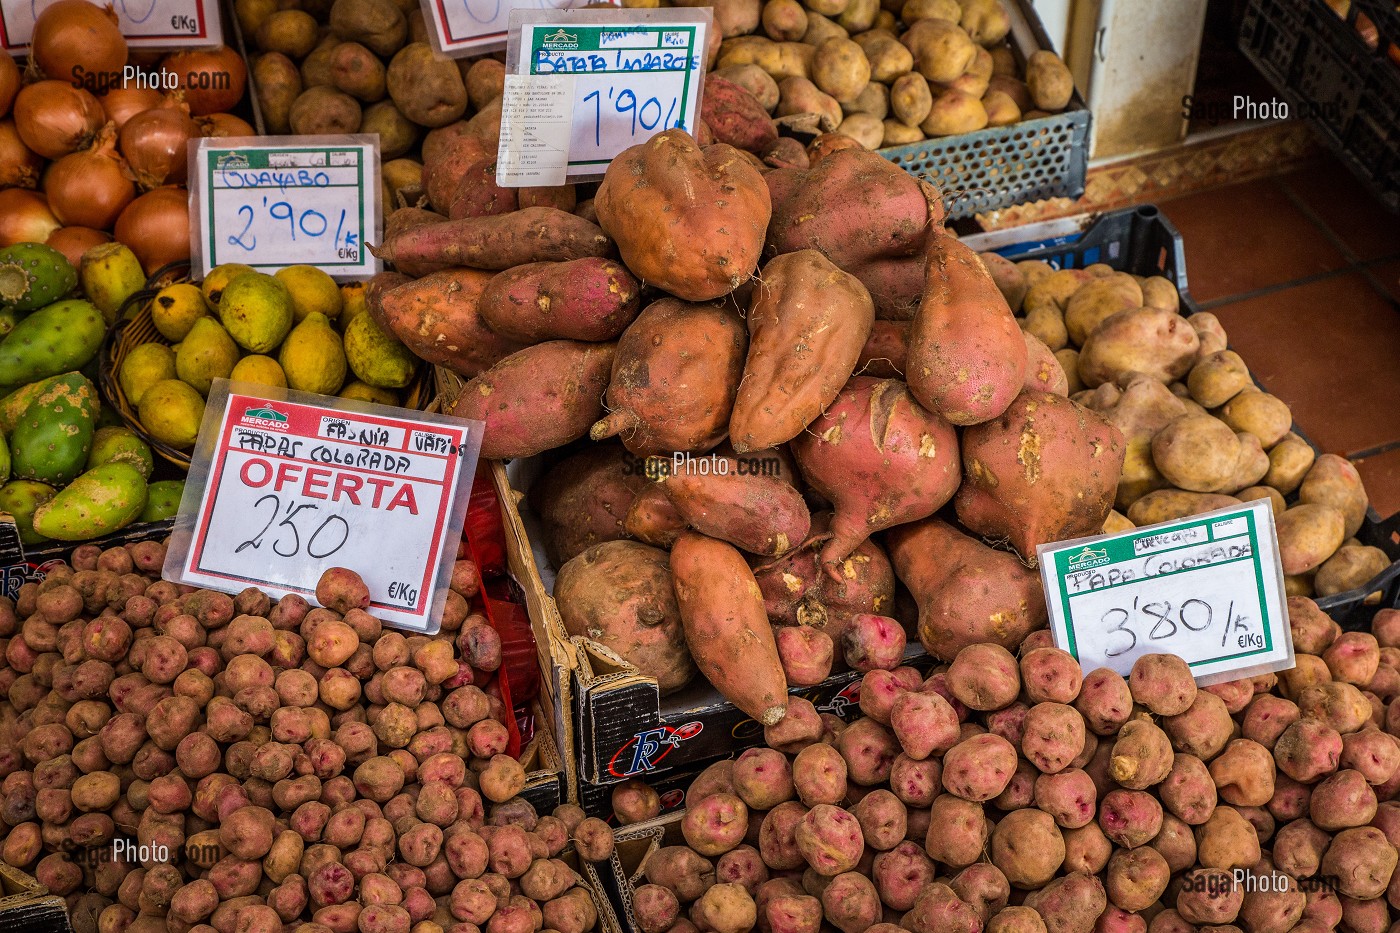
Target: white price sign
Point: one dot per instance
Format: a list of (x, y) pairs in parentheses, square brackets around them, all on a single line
[(471, 27), (147, 24), (627, 74), (1208, 588), (285, 485), (271, 202)]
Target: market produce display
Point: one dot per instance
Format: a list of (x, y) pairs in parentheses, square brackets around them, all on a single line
[(1012, 792), (90, 152), (366, 66), (294, 329), (69, 471), (276, 764), (881, 73), (1198, 433)]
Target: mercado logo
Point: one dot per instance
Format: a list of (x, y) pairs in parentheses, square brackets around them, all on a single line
[(266, 417), (231, 160), (1089, 557), (559, 39)]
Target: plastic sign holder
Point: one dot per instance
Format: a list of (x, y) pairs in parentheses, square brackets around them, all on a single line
[(285, 485), (1207, 588), (276, 201), (583, 85)]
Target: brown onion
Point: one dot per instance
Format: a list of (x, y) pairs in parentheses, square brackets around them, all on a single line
[(55, 118), (157, 227), (10, 80), (212, 79), (123, 103), (90, 188), (221, 125), (19, 165), (154, 143), (25, 217), (72, 242), (74, 38)]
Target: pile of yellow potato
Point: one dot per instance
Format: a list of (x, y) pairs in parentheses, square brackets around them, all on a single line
[(1200, 435), (885, 72), (295, 329)]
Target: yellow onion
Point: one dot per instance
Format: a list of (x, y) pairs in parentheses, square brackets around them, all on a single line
[(90, 188), (25, 217), (55, 118), (156, 226), (74, 38)]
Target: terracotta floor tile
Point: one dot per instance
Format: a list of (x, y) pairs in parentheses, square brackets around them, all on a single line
[(1247, 237), (1381, 474), (1388, 275), (1348, 209), (1328, 349)]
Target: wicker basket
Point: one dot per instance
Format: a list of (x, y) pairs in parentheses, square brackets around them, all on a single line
[(135, 326)]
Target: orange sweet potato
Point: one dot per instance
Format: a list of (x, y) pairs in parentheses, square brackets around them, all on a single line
[(895, 285), (619, 594), (855, 206), (726, 628), (583, 299), (539, 398), (808, 321), (1045, 470), (967, 592), (797, 590), (535, 234), (880, 458), (437, 318), (674, 378), (583, 500), (967, 358), (759, 514), (687, 220), (653, 519), (403, 219)]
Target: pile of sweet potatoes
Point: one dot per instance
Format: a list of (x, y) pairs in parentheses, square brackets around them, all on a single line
[(174, 759), (1011, 793)]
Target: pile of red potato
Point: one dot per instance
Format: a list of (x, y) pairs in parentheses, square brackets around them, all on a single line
[(1020, 796), (184, 761)]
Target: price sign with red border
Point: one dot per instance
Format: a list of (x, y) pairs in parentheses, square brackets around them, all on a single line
[(285, 485)]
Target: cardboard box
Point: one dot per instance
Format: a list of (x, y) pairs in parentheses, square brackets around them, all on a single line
[(671, 785), (618, 724), (634, 844), (21, 564), (27, 907)]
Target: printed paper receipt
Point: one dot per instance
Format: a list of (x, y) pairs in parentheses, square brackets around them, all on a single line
[(536, 123), (1205, 588)]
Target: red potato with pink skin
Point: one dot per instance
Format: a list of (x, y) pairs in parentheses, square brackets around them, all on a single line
[(726, 628), (978, 768), (716, 824), (967, 358), (880, 458), (1105, 701), (1053, 736), (966, 592), (984, 677), (939, 909), (829, 839), (1130, 818), (1142, 755), (924, 723), (592, 299), (1028, 848), (539, 398), (1050, 675), (873, 642), (1068, 796), (1044, 469), (958, 831), (1163, 683)]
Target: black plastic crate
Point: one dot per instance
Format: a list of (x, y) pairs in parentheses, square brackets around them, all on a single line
[(1329, 75), (1142, 241)]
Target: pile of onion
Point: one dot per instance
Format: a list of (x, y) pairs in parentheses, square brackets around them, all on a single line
[(155, 144), (25, 217), (55, 118), (74, 37), (157, 227)]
